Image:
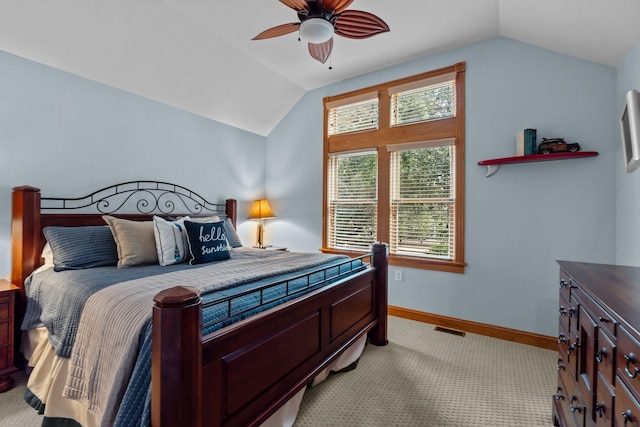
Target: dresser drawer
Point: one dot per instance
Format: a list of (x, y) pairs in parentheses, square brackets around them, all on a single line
[(605, 357), (603, 409), (565, 285), (4, 358), (4, 333), (574, 303), (627, 412), (564, 313), (628, 359), (603, 319), (563, 338), (568, 400), (4, 309)]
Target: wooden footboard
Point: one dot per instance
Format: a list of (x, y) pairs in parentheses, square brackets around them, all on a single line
[(240, 375)]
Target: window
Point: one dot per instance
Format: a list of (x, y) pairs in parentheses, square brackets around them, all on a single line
[(422, 197), (358, 115), (423, 103), (353, 200), (394, 170)]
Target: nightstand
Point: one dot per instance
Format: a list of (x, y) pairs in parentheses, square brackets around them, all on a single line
[(8, 294)]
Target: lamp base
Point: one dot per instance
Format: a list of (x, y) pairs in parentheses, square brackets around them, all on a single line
[(260, 236)]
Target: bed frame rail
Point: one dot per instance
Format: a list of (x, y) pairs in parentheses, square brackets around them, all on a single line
[(291, 289)]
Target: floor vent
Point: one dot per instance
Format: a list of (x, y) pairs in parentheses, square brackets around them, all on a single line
[(450, 331)]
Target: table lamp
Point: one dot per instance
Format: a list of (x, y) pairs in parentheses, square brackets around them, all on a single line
[(260, 211)]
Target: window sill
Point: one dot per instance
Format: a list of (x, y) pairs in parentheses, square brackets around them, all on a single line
[(427, 264), (411, 262)]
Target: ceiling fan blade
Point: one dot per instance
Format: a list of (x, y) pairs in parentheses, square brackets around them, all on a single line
[(337, 6), (279, 30), (300, 6), (356, 24), (322, 51)]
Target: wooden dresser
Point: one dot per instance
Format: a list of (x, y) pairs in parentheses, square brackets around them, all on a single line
[(599, 346), (8, 294)]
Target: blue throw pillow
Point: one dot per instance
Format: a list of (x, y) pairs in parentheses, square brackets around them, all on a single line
[(207, 242), (232, 236), (76, 248)]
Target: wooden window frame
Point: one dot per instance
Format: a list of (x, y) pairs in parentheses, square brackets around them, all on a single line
[(453, 127)]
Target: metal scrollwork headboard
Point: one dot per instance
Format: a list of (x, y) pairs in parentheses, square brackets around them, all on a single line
[(147, 197)]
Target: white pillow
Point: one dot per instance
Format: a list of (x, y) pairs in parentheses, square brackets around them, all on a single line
[(171, 240), (47, 255)]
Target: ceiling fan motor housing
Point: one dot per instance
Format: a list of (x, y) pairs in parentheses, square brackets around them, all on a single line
[(316, 30)]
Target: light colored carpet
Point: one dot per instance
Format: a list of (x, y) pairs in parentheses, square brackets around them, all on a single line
[(429, 378), (422, 378), (14, 411)]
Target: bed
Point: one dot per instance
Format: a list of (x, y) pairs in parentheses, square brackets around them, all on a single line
[(246, 370)]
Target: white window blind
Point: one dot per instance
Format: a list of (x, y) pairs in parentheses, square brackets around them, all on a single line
[(417, 103), (352, 200), (360, 114), (422, 200)]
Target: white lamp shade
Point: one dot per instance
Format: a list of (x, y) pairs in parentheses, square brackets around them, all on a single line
[(316, 30)]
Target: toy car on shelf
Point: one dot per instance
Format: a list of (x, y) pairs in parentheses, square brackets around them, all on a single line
[(556, 145)]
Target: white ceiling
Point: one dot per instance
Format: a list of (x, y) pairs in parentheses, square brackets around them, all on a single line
[(198, 55)]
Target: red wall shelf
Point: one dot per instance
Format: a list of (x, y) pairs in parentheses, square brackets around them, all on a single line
[(494, 164)]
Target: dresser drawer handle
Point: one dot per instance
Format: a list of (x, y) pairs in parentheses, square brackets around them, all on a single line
[(564, 312), (627, 416), (572, 347), (563, 283), (600, 354), (561, 364), (574, 408), (630, 358), (599, 409), (562, 339), (604, 319), (558, 395)]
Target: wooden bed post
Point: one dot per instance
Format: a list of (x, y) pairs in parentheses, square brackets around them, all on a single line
[(25, 234), (176, 360), (379, 252), (231, 207)]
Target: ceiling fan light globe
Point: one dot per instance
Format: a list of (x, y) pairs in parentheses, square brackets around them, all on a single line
[(316, 30)]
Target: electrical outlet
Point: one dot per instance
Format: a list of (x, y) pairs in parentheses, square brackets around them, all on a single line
[(398, 275)]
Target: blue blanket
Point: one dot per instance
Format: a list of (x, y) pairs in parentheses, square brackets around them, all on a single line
[(56, 299)]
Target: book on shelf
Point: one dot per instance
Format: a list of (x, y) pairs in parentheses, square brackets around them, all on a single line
[(526, 142)]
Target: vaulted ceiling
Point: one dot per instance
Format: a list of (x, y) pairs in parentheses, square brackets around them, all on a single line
[(198, 55)]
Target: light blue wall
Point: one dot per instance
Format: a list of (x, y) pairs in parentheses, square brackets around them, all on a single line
[(519, 221), (69, 136), (627, 184)]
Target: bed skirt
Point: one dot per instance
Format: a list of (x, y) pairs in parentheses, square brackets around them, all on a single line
[(47, 380)]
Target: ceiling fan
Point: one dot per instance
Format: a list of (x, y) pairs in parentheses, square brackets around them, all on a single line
[(320, 19)]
